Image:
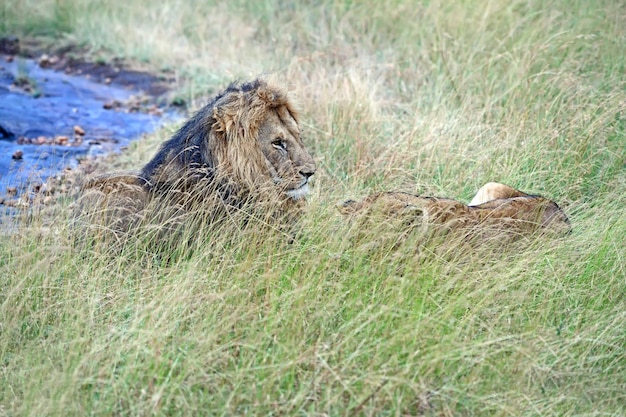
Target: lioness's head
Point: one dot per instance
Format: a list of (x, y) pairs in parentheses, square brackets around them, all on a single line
[(257, 139)]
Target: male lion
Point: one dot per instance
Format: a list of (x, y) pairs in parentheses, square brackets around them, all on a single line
[(244, 146), (496, 207)]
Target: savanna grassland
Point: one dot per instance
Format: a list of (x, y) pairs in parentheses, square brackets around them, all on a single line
[(430, 97)]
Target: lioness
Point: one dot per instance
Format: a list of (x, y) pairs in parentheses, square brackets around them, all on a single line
[(495, 206), (243, 146)]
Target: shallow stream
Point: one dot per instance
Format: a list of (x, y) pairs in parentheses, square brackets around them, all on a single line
[(50, 119)]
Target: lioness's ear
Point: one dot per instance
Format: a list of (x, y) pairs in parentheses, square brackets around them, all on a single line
[(348, 207)]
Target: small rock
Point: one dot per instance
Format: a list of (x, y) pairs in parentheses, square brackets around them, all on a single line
[(46, 61), (61, 140), (49, 189), (11, 191), (107, 80), (17, 155), (154, 110), (114, 104), (16, 202), (10, 45), (41, 140), (79, 130), (9, 58), (5, 133)]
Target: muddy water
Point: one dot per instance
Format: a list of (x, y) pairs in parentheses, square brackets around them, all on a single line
[(49, 119)]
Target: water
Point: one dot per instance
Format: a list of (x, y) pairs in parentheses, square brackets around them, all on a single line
[(49, 105)]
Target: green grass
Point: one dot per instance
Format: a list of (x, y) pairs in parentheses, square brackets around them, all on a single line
[(429, 97)]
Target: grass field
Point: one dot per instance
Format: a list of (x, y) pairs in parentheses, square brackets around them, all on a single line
[(432, 97)]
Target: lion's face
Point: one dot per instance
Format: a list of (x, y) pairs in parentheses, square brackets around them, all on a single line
[(289, 164), (255, 142)]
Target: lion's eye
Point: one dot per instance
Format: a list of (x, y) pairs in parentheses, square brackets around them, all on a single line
[(280, 144)]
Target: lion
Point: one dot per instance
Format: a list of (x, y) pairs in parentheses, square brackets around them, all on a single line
[(243, 147), (495, 207)]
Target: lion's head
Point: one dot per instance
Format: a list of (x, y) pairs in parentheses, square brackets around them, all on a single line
[(246, 141)]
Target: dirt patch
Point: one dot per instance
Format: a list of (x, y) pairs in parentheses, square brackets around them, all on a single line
[(74, 60)]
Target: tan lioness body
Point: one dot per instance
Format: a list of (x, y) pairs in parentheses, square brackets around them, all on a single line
[(495, 205)]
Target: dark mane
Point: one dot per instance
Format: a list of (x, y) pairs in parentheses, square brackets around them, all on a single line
[(192, 138)]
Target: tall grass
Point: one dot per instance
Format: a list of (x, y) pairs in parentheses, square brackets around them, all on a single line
[(429, 97)]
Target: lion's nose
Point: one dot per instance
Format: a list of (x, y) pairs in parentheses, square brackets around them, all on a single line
[(307, 173)]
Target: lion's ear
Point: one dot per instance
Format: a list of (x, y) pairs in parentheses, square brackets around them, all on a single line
[(269, 97), (225, 121), (219, 127)]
